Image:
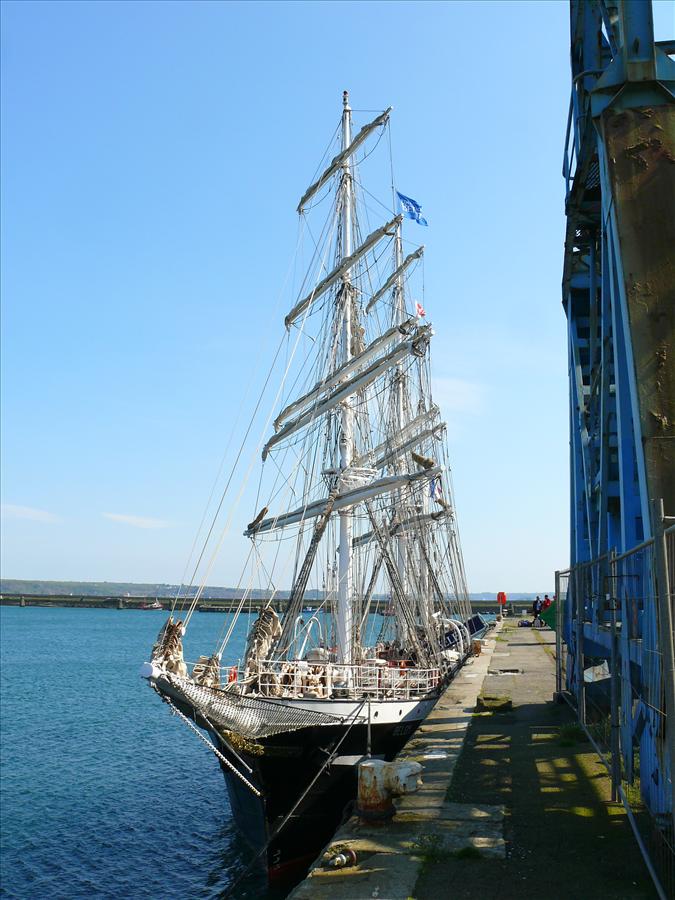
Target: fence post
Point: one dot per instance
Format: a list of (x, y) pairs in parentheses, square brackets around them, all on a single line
[(558, 639), (579, 649), (665, 636), (615, 663)]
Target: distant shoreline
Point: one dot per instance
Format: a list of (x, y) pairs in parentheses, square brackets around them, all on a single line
[(165, 593)]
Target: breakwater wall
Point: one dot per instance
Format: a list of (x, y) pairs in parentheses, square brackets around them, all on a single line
[(210, 604)]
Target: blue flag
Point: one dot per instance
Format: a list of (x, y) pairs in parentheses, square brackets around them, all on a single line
[(412, 209)]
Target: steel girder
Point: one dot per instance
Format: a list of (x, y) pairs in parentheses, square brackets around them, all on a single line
[(619, 299), (610, 79)]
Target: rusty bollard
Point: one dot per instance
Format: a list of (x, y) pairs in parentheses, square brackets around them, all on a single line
[(380, 782)]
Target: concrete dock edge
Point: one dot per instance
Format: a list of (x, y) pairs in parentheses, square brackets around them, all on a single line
[(389, 857)]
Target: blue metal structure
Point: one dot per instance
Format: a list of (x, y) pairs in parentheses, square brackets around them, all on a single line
[(619, 299), (619, 77)]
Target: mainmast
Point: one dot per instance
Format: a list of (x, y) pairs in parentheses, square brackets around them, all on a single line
[(399, 318), (344, 608)]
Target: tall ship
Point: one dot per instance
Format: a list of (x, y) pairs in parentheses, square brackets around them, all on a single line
[(356, 512)]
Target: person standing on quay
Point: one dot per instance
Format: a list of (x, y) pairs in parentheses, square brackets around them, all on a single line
[(536, 612)]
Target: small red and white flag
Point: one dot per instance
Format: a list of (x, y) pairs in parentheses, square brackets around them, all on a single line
[(419, 310)]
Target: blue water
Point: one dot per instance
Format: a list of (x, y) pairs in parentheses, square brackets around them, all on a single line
[(104, 793)]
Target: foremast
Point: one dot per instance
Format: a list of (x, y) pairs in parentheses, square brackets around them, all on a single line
[(343, 625)]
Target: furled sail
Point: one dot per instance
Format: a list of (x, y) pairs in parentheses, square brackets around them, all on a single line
[(401, 448), (345, 371), (357, 383), (397, 527), (394, 443), (343, 156), (391, 281), (342, 501), (344, 266)]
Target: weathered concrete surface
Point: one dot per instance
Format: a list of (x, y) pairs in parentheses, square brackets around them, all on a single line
[(390, 857), (565, 839), (533, 803)]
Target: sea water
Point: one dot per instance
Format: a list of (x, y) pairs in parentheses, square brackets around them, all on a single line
[(104, 793)]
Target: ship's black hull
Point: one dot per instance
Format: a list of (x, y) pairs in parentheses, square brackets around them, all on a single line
[(286, 768), (314, 767)]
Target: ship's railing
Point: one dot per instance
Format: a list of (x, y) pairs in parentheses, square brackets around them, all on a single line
[(274, 678), (304, 678)]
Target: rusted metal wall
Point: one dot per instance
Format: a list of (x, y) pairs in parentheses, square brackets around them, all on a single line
[(641, 154)]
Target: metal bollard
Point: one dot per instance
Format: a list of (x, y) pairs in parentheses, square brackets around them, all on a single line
[(346, 858), (380, 782)]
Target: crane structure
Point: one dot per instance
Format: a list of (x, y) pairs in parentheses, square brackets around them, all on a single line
[(619, 300)]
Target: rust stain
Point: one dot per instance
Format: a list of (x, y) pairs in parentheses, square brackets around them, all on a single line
[(653, 144), (641, 145), (661, 419)]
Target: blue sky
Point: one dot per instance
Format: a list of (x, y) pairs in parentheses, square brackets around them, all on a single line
[(152, 158)]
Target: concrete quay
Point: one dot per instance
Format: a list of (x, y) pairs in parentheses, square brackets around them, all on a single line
[(514, 800), (389, 858)]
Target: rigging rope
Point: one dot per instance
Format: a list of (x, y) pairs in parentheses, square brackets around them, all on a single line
[(232, 433), (225, 530)]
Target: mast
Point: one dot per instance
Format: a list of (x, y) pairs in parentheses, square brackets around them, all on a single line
[(399, 318), (344, 606)]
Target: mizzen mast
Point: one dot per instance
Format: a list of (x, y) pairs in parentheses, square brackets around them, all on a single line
[(344, 606)]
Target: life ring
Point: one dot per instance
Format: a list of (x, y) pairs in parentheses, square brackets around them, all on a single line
[(232, 675)]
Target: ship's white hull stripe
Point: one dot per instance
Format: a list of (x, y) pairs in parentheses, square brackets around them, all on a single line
[(382, 712)]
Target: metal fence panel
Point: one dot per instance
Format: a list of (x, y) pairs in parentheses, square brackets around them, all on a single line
[(615, 644)]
